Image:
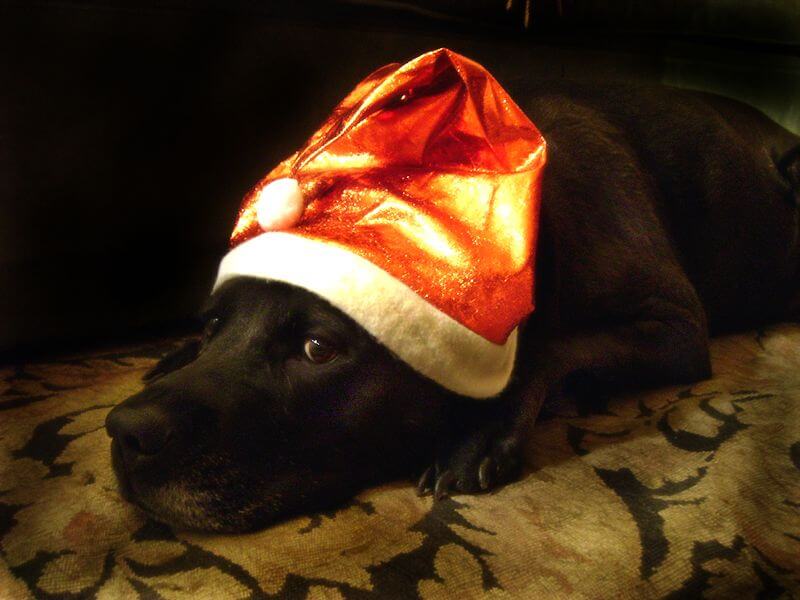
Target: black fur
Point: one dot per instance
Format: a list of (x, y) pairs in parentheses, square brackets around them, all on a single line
[(666, 216)]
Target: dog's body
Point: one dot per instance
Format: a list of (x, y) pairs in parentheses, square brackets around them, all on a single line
[(666, 215)]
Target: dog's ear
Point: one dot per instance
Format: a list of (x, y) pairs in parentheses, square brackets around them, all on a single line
[(173, 361)]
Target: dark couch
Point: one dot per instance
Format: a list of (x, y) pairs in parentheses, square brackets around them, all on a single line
[(129, 131)]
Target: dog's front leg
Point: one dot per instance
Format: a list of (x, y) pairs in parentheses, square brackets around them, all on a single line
[(484, 449)]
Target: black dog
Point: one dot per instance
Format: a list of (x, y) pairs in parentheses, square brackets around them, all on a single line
[(666, 215)]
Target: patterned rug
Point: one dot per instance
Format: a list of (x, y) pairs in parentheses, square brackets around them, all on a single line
[(679, 492)]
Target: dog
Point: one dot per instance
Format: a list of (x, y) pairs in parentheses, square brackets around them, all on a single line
[(667, 216)]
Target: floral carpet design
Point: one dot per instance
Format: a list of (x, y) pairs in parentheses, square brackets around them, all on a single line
[(673, 493)]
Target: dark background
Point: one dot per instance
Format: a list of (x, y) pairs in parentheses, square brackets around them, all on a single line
[(129, 131)]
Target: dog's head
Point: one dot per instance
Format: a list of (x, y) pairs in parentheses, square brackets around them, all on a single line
[(284, 405)]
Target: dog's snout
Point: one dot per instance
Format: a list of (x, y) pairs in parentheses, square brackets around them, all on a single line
[(140, 431)]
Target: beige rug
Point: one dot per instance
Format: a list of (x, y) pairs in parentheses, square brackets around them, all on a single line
[(680, 492)]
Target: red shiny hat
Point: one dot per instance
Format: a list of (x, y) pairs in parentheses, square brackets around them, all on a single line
[(413, 209)]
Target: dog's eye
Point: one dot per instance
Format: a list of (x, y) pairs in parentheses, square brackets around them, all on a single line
[(210, 328), (318, 351)]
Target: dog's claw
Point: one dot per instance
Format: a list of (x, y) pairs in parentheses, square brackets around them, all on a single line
[(486, 473), (482, 458), (425, 484), (443, 484)]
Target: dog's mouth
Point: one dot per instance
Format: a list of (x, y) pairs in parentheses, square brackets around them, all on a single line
[(182, 505), (117, 463), (126, 486), (128, 491)]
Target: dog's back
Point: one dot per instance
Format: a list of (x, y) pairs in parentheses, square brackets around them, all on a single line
[(721, 176)]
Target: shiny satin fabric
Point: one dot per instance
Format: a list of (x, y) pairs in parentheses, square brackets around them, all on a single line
[(430, 171)]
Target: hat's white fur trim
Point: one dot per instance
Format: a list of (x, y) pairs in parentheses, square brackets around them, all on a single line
[(431, 342)]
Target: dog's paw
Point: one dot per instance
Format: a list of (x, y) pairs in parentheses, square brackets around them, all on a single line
[(479, 462)]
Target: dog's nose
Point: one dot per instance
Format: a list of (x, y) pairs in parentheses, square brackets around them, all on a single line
[(140, 430)]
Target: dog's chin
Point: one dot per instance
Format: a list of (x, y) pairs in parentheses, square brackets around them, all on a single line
[(182, 509)]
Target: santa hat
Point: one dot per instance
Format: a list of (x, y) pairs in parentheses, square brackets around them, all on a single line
[(414, 210)]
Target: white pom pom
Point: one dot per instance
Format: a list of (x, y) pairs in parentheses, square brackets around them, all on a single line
[(279, 204)]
